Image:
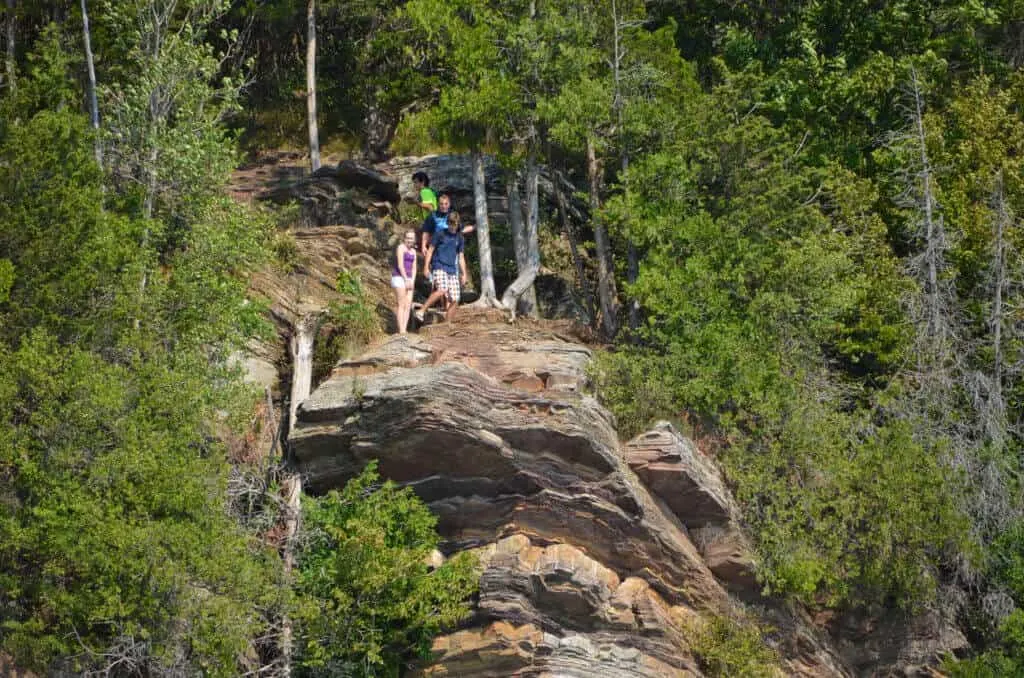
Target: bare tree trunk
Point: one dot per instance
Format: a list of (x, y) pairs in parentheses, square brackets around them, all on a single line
[(996, 318), (148, 208), (570, 234), (291, 490), (632, 255), (605, 267), (532, 228), (519, 287), (314, 135), (302, 365), (934, 233), (94, 109), (996, 424), (632, 274), (519, 237), (483, 230), (12, 23)]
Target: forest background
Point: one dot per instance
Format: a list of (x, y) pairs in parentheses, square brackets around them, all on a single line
[(802, 240)]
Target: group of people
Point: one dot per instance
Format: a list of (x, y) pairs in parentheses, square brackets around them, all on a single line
[(441, 244)]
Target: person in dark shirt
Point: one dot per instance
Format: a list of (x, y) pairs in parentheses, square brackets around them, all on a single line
[(445, 265), (436, 221)]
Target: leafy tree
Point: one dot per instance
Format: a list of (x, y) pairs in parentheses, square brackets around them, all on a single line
[(116, 545), (772, 300), (118, 549), (373, 600)]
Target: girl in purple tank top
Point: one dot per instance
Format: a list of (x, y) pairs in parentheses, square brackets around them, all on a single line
[(403, 275)]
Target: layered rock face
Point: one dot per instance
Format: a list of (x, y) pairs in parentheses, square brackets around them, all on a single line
[(590, 566)]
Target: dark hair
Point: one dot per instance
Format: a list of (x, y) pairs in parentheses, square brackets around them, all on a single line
[(422, 178)]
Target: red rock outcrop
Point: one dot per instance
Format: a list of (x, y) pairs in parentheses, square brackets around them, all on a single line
[(585, 571)]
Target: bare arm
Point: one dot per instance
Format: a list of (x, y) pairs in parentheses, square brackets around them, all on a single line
[(426, 262), (462, 265)]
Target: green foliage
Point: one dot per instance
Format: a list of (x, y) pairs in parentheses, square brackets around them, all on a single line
[(355, 316), (71, 255), (373, 601), (6, 279), (286, 251), (1006, 659), (772, 304), (634, 388), (349, 325), (116, 542), (115, 531), (732, 648)]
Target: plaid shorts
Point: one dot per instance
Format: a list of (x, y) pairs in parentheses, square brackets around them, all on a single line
[(449, 282)]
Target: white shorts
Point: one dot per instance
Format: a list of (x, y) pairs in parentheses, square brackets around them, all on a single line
[(398, 282)]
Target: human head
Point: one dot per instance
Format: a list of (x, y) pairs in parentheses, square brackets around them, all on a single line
[(444, 203), (453, 222), (421, 179), (409, 238)]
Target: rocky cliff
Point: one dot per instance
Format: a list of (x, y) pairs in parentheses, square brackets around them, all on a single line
[(597, 557)]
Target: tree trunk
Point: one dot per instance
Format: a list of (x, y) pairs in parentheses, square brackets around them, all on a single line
[(519, 238), (934, 232), (11, 26), (314, 135), (302, 365), (291, 491), (570, 234), (483, 230), (605, 267), (632, 273), (632, 254), (519, 287), (379, 125), (94, 109), (994, 414), (532, 228)]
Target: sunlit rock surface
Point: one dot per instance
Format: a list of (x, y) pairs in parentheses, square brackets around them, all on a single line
[(586, 571)]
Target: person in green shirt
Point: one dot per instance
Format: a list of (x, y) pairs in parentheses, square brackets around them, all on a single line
[(427, 197)]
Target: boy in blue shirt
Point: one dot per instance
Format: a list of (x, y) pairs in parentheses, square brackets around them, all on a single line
[(445, 265)]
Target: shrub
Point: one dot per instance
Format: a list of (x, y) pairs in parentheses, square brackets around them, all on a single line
[(732, 648), (371, 600)]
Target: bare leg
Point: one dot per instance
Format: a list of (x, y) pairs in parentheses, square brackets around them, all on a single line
[(449, 313), (431, 300), (408, 310), (399, 304)]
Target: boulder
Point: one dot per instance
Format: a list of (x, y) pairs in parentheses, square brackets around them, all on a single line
[(449, 173), (692, 487), (679, 473), (350, 174)]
